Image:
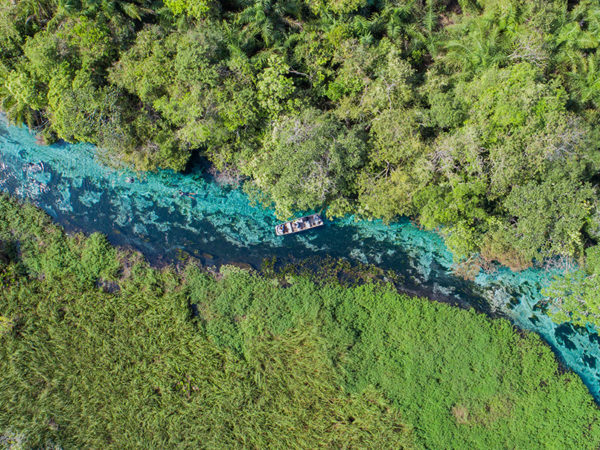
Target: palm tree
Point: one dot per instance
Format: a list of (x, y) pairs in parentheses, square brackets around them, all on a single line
[(414, 22), (267, 19), (40, 11), (576, 34), (588, 15), (397, 19), (133, 9), (478, 44), (15, 105), (423, 33), (585, 82)]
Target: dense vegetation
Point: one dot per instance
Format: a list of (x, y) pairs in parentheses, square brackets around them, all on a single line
[(100, 350), (575, 296), (477, 116)]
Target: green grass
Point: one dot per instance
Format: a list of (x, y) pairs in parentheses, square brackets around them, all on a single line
[(100, 350)]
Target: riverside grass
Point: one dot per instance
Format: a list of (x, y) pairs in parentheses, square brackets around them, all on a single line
[(100, 350)]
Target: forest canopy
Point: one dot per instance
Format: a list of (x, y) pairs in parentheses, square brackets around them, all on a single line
[(475, 117)]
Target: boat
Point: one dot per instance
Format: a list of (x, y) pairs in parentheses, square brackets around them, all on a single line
[(297, 225)]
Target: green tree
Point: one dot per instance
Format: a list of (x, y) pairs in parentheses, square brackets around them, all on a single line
[(307, 162), (273, 86), (20, 98), (267, 21), (198, 9), (550, 215), (398, 165), (575, 296)]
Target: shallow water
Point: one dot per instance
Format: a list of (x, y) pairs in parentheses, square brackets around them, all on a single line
[(219, 225)]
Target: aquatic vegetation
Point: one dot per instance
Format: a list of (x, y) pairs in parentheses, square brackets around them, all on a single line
[(134, 355), (220, 225)]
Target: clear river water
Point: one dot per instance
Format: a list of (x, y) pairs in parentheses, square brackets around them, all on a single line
[(219, 224)]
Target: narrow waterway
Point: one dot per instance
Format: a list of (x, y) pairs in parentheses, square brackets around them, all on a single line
[(218, 224)]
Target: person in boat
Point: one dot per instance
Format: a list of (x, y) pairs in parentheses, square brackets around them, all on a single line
[(280, 229), (33, 167)]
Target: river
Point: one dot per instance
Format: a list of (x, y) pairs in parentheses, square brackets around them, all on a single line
[(218, 225)]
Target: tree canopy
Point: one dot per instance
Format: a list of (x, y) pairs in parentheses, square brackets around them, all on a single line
[(478, 118)]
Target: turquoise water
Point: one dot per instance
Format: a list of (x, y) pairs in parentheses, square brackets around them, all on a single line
[(218, 224)]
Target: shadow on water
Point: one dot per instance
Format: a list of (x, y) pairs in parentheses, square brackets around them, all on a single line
[(218, 225)]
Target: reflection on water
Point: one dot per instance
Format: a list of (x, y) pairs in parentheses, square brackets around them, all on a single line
[(156, 214)]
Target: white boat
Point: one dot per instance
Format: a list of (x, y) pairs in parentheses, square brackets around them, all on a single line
[(297, 225)]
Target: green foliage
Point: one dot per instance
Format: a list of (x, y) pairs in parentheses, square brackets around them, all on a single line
[(481, 385), (273, 86), (100, 350), (308, 162), (198, 9), (202, 100), (133, 368), (335, 6), (19, 97), (575, 296), (79, 109), (550, 215), (521, 156), (454, 113)]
